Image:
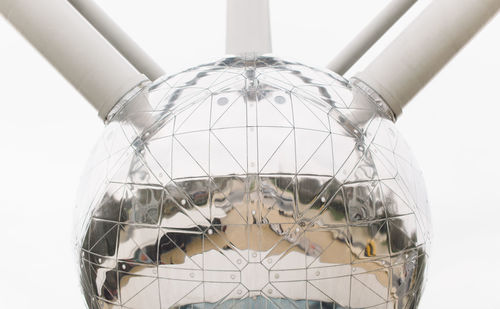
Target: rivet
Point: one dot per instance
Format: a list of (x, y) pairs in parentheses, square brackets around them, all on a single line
[(279, 99), (222, 101)]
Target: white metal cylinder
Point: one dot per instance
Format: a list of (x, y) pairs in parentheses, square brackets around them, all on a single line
[(118, 38), (422, 49), (369, 35), (75, 49), (248, 27)]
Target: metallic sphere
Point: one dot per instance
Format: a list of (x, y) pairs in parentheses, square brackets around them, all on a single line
[(252, 183)]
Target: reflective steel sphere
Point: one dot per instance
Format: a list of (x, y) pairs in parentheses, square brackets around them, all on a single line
[(252, 183)]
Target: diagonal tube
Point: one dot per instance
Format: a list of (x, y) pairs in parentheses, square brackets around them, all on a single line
[(75, 49), (118, 38), (424, 48), (369, 35)]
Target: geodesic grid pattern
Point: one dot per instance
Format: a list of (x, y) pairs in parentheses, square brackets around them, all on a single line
[(252, 183)]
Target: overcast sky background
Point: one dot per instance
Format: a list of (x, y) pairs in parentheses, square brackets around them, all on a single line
[(47, 131)]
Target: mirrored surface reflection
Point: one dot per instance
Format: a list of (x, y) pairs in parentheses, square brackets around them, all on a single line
[(257, 183)]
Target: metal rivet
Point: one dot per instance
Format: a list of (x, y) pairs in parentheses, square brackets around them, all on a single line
[(222, 101), (279, 99)]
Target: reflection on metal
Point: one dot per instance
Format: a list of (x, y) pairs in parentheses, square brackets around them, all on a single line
[(257, 183)]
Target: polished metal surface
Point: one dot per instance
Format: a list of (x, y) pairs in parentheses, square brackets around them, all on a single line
[(252, 183)]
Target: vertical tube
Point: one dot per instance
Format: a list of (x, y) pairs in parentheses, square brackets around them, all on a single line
[(424, 48), (75, 49), (248, 27), (369, 35), (118, 38)]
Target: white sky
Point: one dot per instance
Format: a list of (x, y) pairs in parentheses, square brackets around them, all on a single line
[(47, 131)]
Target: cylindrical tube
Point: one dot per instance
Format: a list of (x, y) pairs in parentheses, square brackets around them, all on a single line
[(75, 49), (118, 38), (422, 49), (248, 27), (369, 35)]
